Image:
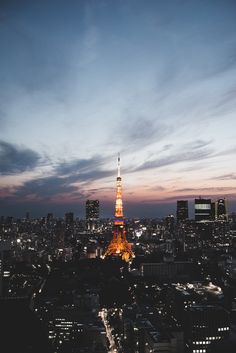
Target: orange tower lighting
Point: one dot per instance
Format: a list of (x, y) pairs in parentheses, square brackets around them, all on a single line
[(119, 245)]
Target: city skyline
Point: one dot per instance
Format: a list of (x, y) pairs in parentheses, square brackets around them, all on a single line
[(81, 83)]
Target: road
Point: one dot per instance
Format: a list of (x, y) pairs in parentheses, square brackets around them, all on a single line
[(113, 347)]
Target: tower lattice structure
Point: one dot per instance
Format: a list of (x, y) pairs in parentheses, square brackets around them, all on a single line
[(119, 245)]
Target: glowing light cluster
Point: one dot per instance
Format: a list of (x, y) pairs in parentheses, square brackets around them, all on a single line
[(119, 244)]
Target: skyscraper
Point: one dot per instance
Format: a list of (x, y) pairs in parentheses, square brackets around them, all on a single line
[(204, 324), (182, 210), (49, 217), (213, 210), (92, 214), (69, 218), (60, 234), (203, 209), (119, 245), (221, 209), (4, 246), (92, 209)]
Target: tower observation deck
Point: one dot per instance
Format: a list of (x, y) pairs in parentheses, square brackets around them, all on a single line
[(119, 245)]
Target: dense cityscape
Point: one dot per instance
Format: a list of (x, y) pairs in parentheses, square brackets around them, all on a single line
[(127, 286)]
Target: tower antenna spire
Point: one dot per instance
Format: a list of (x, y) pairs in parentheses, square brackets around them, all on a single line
[(118, 164), (119, 244)]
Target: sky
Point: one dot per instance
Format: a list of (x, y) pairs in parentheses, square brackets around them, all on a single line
[(82, 80)]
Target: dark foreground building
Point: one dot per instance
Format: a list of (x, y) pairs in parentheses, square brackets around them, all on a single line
[(204, 325), (21, 330)]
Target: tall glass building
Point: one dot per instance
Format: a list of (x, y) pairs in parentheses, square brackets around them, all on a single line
[(203, 209)]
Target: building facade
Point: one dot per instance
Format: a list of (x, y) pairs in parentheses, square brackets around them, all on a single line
[(92, 214), (203, 209), (182, 210)]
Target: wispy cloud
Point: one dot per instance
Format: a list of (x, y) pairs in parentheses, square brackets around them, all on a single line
[(209, 189), (225, 152), (143, 130), (84, 169), (69, 180), (196, 151), (134, 133), (230, 176), (47, 190), (190, 197), (16, 159), (76, 166)]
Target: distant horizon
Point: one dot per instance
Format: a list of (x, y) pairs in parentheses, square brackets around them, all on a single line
[(107, 210)]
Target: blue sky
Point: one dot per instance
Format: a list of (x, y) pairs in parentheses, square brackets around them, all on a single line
[(82, 80)]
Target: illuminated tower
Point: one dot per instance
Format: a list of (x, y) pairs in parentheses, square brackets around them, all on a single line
[(119, 245)]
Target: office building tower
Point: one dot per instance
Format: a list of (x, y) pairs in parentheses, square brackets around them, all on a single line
[(221, 209), (204, 325), (182, 210), (203, 209), (92, 209), (4, 246), (60, 234), (69, 218), (213, 210), (92, 214), (49, 217), (170, 223)]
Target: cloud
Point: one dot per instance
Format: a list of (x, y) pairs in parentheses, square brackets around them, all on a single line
[(15, 159), (5, 192), (78, 165), (60, 187), (138, 132), (197, 144), (228, 151), (195, 151), (143, 130), (48, 189), (192, 196), (206, 189), (157, 188), (84, 169), (230, 176)]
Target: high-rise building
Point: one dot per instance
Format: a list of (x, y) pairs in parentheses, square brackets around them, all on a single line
[(49, 217), (203, 209), (170, 223), (119, 245), (221, 209), (4, 246), (182, 210), (204, 325), (60, 234), (92, 209), (213, 210), (92, 214), (69, 218)]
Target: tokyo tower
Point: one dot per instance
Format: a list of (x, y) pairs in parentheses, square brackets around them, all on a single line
[(119, 245)]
